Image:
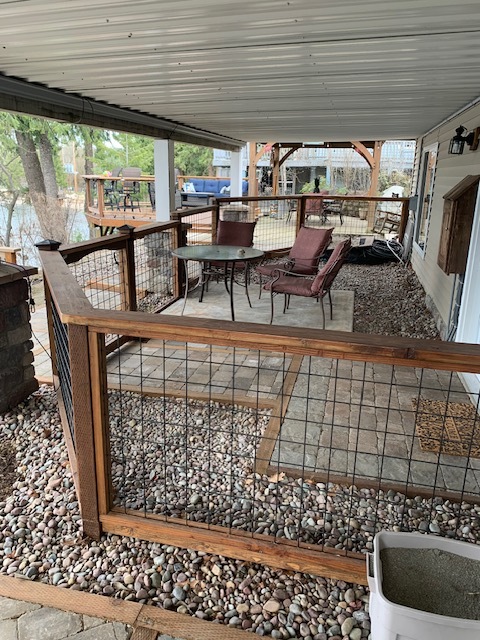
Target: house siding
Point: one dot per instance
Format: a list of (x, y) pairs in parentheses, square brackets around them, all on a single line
[(450, 170)]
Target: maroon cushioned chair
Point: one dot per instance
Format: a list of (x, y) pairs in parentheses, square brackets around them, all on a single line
[(304, 255), (291, 284), (235, 234)]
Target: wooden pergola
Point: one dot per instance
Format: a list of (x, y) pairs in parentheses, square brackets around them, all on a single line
[(371, 150)]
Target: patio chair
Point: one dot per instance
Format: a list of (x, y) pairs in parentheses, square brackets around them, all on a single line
[(235, 234), (386, 222), (304, 255), (315, 206), (130, 189), (291, 284), (111, 190)]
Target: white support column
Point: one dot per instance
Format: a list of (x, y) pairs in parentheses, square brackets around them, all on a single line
[(236, 173), (164, 178)]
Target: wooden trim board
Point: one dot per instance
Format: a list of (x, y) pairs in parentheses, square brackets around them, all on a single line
[(241, 547), (116, 610), (160, 392), (269, 438)]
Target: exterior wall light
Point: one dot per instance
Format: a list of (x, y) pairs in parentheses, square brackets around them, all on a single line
[(457, 143)]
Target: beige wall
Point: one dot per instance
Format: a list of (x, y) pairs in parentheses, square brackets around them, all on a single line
[(450, 170)]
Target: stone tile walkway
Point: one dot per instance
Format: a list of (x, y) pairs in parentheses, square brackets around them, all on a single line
[(27, 621), (360, 421)]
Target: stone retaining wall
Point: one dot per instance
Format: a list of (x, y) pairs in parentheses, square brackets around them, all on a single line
[(17, 375)]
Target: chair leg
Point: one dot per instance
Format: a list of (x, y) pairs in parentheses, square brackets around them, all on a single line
[(331, 305), (284, 302), (205, 279), (323, 312), (247, 277), (271, 306), (225, 279)]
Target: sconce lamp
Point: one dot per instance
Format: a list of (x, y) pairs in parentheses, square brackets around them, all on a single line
[(457, 143)]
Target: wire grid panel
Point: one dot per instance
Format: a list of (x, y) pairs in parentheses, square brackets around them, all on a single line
[(62, 352), (155, 270), (199, 227), (100, 276), (304, 449), (276, 224)]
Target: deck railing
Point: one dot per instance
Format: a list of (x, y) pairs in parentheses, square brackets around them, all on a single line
[(109, 205), (280, 445)]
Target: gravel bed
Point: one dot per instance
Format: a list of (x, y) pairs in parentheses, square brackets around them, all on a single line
[(389, 300), (41, 539), (205, 473)]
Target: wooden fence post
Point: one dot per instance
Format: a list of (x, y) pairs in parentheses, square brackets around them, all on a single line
[(86, 484), (215, 219), (302, 205), (100, 197), (101, 425), (403, 220), (126, 269)]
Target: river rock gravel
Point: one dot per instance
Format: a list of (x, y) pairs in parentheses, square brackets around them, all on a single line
[(389, 300), (41, 539)]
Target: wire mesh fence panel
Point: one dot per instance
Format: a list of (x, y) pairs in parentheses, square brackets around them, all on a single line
[(353, 217), (101, 277), (276, 224), (155, 270), (303, 449), (198, 227), (62, 353)]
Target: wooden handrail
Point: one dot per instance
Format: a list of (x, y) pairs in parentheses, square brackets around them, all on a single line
[(310, 196), (145, 178)]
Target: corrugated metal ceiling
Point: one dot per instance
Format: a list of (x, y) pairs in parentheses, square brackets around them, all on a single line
[(257, 69)]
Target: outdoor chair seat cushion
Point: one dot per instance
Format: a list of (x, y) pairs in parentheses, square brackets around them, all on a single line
[(291, 285), (304, 256), (207, 187)]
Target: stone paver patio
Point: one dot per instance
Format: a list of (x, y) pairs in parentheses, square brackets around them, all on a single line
[(27, 621)]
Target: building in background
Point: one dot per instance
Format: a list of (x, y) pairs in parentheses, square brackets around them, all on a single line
[(341, 169)]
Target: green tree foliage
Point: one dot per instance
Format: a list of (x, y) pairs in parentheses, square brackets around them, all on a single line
[(193, 160), (119, 150), (37, 145), (386, 180)]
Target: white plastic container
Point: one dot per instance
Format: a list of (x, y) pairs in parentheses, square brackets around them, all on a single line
[(392, 621)]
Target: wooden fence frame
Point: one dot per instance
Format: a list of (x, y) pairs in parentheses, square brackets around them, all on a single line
[(86, 330)]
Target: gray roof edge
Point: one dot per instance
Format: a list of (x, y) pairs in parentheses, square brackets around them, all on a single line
[(35, 99)]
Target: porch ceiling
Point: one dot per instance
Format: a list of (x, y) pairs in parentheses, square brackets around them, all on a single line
[(254, 70)]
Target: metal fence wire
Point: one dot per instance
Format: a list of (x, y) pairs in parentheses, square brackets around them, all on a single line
[(155, 270), (99, 275), (303, 449), (62, 352)]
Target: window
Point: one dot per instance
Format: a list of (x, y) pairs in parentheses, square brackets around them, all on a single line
[(427, 179)]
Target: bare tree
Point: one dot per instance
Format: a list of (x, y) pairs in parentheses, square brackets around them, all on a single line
[(41, 180)]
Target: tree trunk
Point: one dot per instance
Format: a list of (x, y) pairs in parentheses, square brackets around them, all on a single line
[(88, 151), (52, 224), (48, 168), (11, 209)]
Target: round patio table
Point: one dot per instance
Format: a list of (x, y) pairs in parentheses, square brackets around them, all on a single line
[(230, 255)]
